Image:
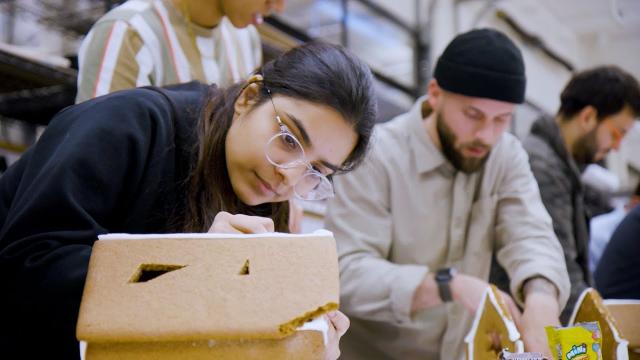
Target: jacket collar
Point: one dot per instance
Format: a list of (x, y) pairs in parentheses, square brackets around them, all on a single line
[(548, 131), (427, 157)]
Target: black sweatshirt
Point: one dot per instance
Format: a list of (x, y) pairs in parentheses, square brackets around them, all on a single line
[(116, 163), (618, 275)]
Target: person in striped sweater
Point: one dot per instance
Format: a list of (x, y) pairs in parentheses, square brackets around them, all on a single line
[(165, 42)]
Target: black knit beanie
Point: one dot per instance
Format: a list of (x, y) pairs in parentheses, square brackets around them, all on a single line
[(482, 63)]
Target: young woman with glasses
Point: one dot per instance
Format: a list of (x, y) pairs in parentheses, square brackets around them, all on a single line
[(190, 158)]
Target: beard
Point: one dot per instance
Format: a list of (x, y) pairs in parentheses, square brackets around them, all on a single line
[(448, 139), (584, 150)]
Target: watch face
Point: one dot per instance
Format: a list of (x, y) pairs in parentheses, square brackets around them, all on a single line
[(443, 274), (446, 274)]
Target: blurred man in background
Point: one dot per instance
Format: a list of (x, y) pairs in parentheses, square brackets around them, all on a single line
[(597, 108)]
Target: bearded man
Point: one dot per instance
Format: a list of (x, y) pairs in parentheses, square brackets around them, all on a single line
[(597, 108), (443, 189)]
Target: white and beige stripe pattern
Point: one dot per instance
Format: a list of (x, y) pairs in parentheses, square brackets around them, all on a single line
[(148, 42)]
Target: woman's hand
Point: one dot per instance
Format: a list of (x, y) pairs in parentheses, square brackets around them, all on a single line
[(240, 224), (338, 325), (296, 213)]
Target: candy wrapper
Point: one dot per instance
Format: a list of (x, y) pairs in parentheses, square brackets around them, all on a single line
[(580, 342), (506, 355)]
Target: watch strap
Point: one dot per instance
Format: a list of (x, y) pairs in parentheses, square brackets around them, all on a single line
[(443, 279)]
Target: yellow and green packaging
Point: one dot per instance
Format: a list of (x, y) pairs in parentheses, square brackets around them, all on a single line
[(580, 342)]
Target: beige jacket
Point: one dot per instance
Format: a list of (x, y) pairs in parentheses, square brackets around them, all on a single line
[(405, 212)]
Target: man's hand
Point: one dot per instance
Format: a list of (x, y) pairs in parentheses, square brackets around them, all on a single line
[(513, 308), (468, 291), (541, 309), (465, 290)]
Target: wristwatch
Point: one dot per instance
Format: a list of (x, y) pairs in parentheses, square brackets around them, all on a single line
[(443, 279)]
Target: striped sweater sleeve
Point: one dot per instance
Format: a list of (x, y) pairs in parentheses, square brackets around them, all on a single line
[(112, 57), (256, 47)]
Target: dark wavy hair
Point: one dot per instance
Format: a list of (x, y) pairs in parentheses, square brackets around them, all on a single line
[(316, 72), (607, 88)]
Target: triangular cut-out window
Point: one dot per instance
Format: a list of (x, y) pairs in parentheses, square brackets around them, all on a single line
[(146, 272), (245, 268)]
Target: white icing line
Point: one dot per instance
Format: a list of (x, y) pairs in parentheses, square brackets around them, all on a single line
[(319, 324), (320, 232), (622, 350), (83, 349), (514, 334), (621, 302), (474, 327)]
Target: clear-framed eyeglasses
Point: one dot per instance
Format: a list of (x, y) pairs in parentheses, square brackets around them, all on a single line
[(284, 151)]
